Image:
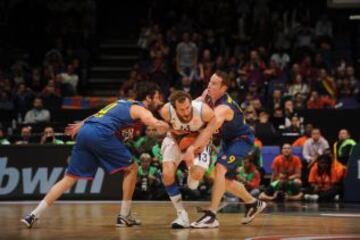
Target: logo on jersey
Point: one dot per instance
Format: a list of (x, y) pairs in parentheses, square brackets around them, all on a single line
[(125, 134)]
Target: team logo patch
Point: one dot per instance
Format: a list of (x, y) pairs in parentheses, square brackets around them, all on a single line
[(223, 157), (232, 159)]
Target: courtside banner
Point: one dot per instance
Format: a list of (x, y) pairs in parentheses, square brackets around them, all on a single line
[(27, 172)]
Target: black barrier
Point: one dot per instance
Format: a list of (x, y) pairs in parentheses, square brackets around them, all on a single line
[(352, 179), (28, 172)]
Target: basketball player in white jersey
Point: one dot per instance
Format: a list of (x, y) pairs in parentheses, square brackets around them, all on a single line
[(185, 117)]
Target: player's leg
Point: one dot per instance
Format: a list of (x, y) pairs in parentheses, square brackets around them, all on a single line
[(171, 158), (83, 164), (236, 153), (128, 187), (55, 192), (114, 156), (197, 171)]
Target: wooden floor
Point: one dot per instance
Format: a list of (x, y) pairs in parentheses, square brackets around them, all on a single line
[(97, 221)]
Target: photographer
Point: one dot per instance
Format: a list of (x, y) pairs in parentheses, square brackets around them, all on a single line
[(147, 179), (48, 137)]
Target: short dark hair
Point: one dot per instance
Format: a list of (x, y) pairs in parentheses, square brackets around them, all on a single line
[(225, 79), (179, 96), (144, 89)]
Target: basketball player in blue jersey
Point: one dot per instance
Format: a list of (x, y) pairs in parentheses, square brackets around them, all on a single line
[(237, 140), (100, 142)]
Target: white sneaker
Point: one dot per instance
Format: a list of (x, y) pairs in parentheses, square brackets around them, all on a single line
[(311, 197), (182, 221), (207, 221)]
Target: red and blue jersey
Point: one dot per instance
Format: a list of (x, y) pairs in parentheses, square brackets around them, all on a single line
[(237, 128), (116, 118)]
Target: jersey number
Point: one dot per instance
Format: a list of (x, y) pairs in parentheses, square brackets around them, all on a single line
[(103, 111)]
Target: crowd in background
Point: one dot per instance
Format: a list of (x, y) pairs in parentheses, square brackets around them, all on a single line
[(281, 58)]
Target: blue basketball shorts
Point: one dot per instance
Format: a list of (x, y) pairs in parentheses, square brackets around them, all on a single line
[(97, 146)]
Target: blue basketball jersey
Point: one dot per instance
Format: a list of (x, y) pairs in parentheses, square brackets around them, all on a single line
[(116, 118), (237, 127)]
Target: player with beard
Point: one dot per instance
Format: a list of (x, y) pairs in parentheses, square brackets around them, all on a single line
[(100, 142), (185, 117)]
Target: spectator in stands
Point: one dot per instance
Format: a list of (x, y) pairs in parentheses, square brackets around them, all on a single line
[(149, 143), (278, 119), (318, 102), (275, 100), (325, 84), (23, 99), (148, 179), (36, 81), (51, 99), (251, 116), (325, 177), (186, 57), (264, 129), (249, 176), (314, 147), (6, 101), (206, 67), (37, 114), (286, 177), (281, 58), (299, 102), (25, 136), (289, 111), (254, 69), (343, 147), (294, 127), (298, 86), (69, 81), (48, 137), (3, 139), (299, 142)]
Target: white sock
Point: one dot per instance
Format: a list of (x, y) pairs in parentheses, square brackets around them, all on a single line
[(177, 201), (40, 208), (192, 183), (125, 208)]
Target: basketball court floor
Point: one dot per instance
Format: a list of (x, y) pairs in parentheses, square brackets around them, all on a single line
[(96, 220)]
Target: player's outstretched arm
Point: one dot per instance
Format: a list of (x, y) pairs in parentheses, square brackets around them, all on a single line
[(221, 114), (139, 112)]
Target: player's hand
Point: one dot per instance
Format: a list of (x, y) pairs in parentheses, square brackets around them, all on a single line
[(162, 127), (178, 132), (72, 129), (189, 156)]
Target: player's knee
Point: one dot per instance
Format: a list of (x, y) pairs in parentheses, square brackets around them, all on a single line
[(197, 174), (220, 170), (168, 178)]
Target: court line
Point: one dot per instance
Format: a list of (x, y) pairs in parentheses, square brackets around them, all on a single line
[(305, 237), (28, 202), (340, 214)]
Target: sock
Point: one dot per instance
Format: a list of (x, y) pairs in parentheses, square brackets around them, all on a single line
[(177, 202), (175, 196), (192, 183), (125, 208), (40, 208)]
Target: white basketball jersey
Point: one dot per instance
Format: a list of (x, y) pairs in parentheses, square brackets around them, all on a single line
[(195, 124)]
